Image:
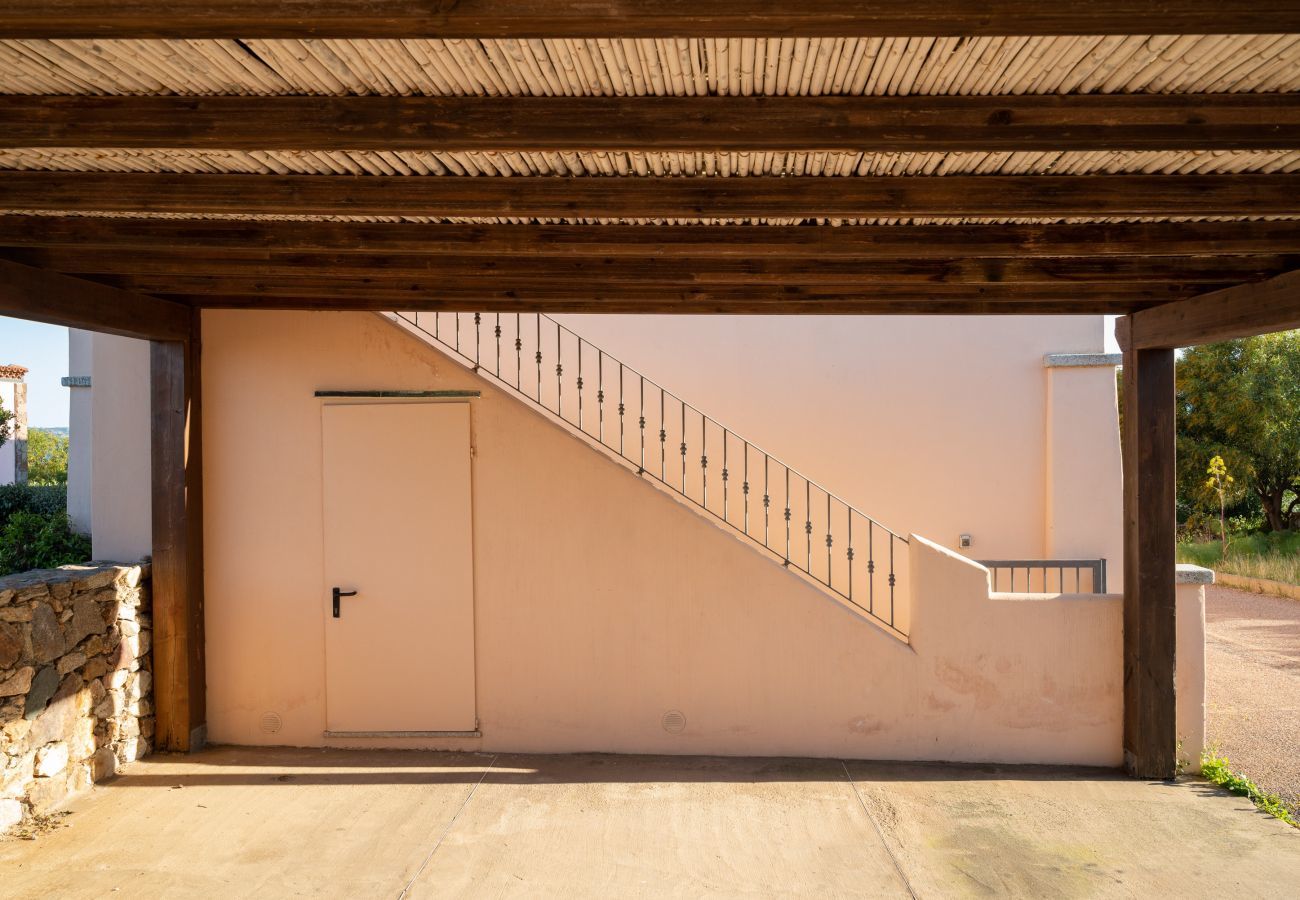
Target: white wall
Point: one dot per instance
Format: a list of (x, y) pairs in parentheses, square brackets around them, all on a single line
[(7, 451), (108, 466), (80, 431), (935, 425)]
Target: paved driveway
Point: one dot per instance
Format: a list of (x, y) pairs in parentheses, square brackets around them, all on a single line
[(298, 823), (1252, 663)]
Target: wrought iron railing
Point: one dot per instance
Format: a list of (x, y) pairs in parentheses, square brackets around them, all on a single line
[(794, 518), (1036, 576)]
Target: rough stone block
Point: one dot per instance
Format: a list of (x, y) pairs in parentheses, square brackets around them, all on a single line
[(15, 614), (103, 764), (94, 668), (15, 731), (71, 662), (86, 620), (51, 760), (11, 813), (11, 644), (6, 596), (47, 636), (17, 683), (61, 590), (42, 690), (46, 793)]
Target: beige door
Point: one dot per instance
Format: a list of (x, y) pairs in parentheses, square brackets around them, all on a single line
[(399, 655)]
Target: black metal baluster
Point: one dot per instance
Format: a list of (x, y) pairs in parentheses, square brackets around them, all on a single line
[(807, 526), (787, 515), (519, 354), (663, 437), (642, 467), (600, 394), (744, 485), (478, 341), (871, 567), (559, 372), (704, 461), (829, 562), (725, 516), (539, 357), (437, 319), (891, 579), (683, 434), (580, 383), (621, 410), (457, 315), (850, 553), (767, 504), (497, 373)]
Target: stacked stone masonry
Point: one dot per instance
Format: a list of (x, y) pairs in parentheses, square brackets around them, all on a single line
[(76, 703)]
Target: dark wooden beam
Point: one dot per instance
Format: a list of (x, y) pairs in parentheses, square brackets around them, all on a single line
[(141, 237), (1101, 240), (1150, 724), (835, 123), (177, 502), (631, 18), (1239, 311), (679, 302), (652, 198), (466, 272), (44, 296)]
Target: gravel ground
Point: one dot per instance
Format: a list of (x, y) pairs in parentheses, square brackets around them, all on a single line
[(1252, 658)]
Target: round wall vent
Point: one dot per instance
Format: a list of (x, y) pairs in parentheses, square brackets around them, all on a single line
[(271, 722), (674, 722)]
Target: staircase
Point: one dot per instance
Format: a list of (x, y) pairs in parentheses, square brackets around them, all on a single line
[(813, 532)]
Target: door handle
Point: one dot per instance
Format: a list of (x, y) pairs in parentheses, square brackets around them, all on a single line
[(339, 594)]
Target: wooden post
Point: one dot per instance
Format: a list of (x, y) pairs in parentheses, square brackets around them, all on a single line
[(1150, 724), (178, 654)]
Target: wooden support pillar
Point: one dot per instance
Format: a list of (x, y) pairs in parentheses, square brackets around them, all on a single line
[(1150, 725), (178, 654)]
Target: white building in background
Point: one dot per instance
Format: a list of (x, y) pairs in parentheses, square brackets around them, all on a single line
[(109, 443), (13, 399)]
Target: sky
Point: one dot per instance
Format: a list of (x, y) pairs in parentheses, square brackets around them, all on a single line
[(43, 349)]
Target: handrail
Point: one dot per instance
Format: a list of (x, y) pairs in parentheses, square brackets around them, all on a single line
[(679, 425), (1097, 567)]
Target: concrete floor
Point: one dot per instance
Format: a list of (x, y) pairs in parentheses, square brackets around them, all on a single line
[(235, 822), (1252, 690)]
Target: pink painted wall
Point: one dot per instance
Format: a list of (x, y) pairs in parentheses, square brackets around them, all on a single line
[(602, 602)]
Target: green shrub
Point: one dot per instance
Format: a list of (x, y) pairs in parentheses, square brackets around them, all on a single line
[(45, 499), (31, 540), (1215, 769)]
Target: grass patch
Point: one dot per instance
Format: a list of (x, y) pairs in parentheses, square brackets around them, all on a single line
[(1215, 770), (1274, 555)]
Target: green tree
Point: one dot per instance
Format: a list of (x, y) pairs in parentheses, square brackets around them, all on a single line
[(47, 457), (1240, 400)]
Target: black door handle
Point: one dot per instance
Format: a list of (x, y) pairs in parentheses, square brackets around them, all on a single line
[(340, 593)]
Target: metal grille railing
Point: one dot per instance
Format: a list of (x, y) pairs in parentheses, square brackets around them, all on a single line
[(1038, 576), (691, 454)]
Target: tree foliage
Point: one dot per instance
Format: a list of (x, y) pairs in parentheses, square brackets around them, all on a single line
[(1240, 400), (47, 457)]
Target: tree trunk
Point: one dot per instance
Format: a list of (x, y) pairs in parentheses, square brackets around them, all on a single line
[(1272, 501)]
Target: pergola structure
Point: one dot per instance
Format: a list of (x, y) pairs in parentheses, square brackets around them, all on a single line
[(1138, 157)]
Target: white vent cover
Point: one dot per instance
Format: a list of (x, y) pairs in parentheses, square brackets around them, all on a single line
[(674, 721), (271, 722)]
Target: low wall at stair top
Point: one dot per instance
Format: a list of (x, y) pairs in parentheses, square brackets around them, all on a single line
[(602, 603)]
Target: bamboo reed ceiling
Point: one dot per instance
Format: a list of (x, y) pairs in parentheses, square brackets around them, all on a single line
[(972, 66)]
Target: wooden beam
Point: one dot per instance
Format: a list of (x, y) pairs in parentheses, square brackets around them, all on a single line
[(1099, 240), (652, 198), (678, 302), (44, 296), (1150, 725), (1239, 311), (467, 271), (141, 237), (830, 123), (618, 18), (177, 501)]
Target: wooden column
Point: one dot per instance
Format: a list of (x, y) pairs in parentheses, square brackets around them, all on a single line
[(178, 654), (1150, 727)]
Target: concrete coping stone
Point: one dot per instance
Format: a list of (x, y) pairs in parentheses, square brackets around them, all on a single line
[(1081, 360), (74, 573), (1189, 574)]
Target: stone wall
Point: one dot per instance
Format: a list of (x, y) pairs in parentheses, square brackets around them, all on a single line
[(75, 695)]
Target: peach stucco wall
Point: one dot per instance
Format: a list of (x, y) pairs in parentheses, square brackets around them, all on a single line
[(601, 602), (932, 424)]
